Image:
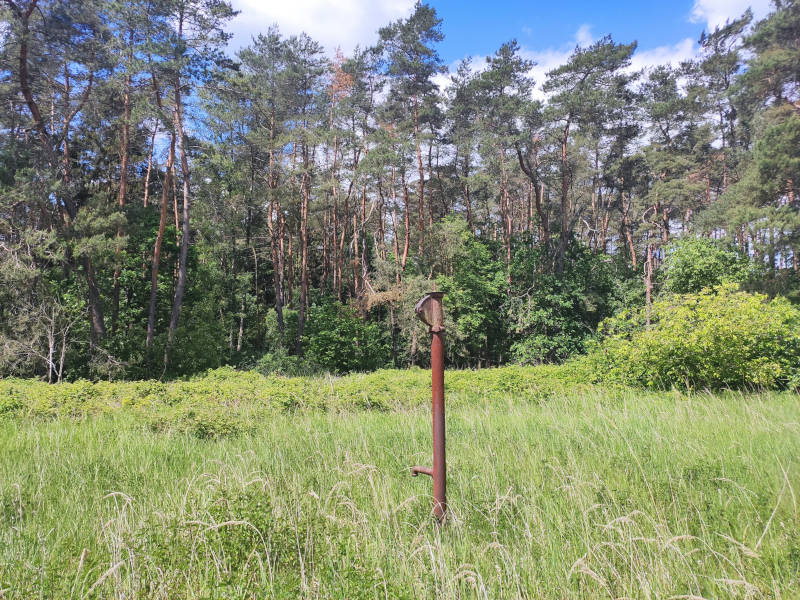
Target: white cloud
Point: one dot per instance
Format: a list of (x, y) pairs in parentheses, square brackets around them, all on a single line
[(714, 13), (661, 55), (333, 23), (583, 37), (442, 80)]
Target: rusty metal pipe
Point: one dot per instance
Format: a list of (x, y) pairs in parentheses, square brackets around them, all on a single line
[(439, 461), (430, 312)]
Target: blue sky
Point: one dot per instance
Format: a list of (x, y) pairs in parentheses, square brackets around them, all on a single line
[(474, 28), (667, 31)]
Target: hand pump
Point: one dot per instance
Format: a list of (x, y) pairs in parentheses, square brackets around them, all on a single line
[(429, 310)]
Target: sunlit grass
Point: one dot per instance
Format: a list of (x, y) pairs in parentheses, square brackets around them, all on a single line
[(582, 495)]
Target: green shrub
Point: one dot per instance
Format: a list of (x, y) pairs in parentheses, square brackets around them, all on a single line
[(10, 400), (691, 264), (718, 338), (551, 315), (339, 341), (280, 362), (224, 402)]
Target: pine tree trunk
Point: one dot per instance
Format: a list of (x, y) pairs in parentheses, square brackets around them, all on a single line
[(648, 283), (406, 219), (162, 225), (395, 233), (626, 228), (362, 232), (123, 186), (421, 182), (326, 264), (184, 252), (381, 241), (565, 212), (146, 198), (275, 230), (305, 198), (430, 178)]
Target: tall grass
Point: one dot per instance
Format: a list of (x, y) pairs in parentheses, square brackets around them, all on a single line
[(588, 494)]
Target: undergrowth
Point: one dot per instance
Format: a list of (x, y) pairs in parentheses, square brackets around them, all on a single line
[(555, 490), (226, 401)]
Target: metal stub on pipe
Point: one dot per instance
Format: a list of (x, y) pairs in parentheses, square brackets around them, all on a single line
[(423, 470), (429, 310)]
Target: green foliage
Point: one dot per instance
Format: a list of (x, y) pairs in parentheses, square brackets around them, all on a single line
[(225, 401), (717, 338), (280, 362), (338, 340), (691, 264), (777, 161), (474, 295), (784, 283), (581, 496), (552, 315)]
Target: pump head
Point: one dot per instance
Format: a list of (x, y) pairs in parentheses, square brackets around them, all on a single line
[(429, 310)]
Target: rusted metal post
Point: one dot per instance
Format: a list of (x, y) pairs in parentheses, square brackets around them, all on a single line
[(439, 462), (430, 312)]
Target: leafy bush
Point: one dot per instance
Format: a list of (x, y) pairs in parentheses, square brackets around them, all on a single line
[(280, 362), (338, 340), (10, 401), (691, 264), (225, 401), (553, 314), (718, 338)]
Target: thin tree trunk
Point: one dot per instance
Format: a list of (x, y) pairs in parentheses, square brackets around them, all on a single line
[(565, 211), (505, 215), (337, 257), (275, 229), (538, 188), (287, 262), (395, 238), (289, 291), (96, 319), (595, 200), (421, 182), (381, 241), (430, 177), (162, 225), (175, 214), (51, 343), (362, 232), (305, 198), (123, 180), (468, 204), (356, 262), (406, 218), (149, 168), (627, 230), (181, 285), (326, 261), (241, 325), (394, 333), (63, 354), (648, 283)]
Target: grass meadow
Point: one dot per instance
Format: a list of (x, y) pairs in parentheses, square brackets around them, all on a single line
[(555, 491)]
